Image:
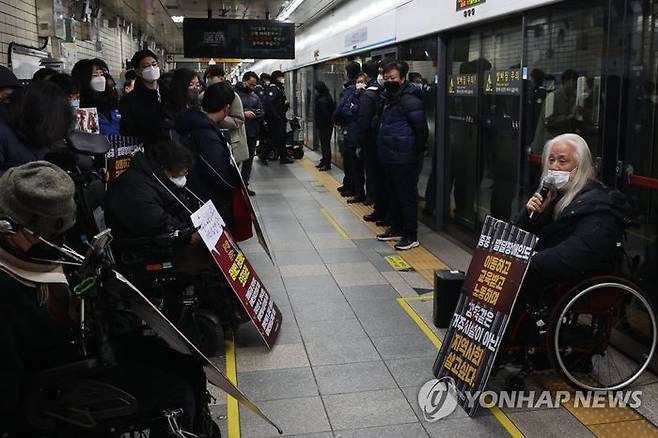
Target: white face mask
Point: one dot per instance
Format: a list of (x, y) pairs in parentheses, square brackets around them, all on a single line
[(560, 177), (380, 80), (98, 83), (179, 181), (151, 73), (360, 86), (75, 104), (282, 81)]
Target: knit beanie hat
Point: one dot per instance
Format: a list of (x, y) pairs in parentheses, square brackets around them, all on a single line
[(38, 196)]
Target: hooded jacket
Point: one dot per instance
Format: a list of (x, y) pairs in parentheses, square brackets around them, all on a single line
[(137, 205), (234, 122), (582, 240), (213, 175), (403, 130)]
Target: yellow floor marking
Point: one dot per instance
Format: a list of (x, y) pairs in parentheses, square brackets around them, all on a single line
[(502, 418), (398, 263), (232, 408), (333, 222)]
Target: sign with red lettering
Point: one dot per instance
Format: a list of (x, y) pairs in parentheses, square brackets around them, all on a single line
[(239, 273), (120, 155), (488, 295)]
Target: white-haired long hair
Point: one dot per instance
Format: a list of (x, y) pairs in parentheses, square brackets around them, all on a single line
[(583, 172)]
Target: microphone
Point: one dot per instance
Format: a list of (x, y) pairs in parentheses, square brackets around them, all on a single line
[(547, 186)]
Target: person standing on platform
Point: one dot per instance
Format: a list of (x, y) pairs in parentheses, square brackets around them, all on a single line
[(324, 110), (275, 114), (370, 108), (345, 117), (401, 139), (253, 114), (142, 113), (261, 92)]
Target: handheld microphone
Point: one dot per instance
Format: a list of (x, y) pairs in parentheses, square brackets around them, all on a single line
[(546, 187)]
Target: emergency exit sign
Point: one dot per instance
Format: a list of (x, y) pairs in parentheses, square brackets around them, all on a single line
[(465, 4)]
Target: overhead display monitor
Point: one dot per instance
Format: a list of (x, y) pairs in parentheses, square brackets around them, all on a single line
[(246, 39), (465, 4)]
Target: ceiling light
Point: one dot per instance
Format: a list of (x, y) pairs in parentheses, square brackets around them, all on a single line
[(288, 10), (177, 18)]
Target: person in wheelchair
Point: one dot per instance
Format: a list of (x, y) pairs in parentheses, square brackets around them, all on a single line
[(149, 200), (38, 333), (580, 222)]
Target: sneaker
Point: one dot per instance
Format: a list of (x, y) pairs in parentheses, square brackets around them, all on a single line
[(371, 217), (356, 200), (369, 201), (382, 223), (407, 243), (319, 165), (389, 235), (347, 193), (324, 168), (341, 189)]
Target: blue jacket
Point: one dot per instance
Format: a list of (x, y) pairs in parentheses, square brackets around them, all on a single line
[(349, 127), (14, 150), (403, 130), (110, 126)]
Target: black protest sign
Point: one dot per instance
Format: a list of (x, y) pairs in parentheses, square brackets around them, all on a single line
[(489, 291)]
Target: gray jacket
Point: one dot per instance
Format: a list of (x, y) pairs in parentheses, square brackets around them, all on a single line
[(234, 122)]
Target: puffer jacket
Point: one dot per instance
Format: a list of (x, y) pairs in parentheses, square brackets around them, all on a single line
[(349, 127), (234, 122), (142, 114), (403, 130), (213, 175), (251, 102), (582, 240), (369, 116)]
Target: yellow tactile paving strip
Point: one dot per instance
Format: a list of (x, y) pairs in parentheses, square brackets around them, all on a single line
[(423, 261), (602, 422)]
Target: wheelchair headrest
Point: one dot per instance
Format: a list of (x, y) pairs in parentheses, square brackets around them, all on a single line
[(86, 143)]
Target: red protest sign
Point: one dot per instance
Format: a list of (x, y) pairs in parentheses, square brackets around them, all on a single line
[(239, 273), (489, 292)]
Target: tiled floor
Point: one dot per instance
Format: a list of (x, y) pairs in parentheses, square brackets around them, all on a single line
[(349, 360)]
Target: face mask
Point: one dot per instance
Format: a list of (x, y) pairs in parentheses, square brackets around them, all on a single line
[(380, 80), (282, 81), (75, 104), (151, 73), (360, 86), (193, 97), (179, 181), (392, 87), (98, 83), (560, 177)]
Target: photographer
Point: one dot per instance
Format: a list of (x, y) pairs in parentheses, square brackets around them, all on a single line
[(36, 321), (580, 220)]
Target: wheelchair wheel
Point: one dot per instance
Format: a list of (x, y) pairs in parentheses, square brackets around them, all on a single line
[(590, 341), (202, 332)]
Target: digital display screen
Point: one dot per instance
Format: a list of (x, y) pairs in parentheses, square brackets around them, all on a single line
[(465, 4), (246, 39)]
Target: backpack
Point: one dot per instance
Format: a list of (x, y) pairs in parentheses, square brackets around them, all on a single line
[(348, 108)]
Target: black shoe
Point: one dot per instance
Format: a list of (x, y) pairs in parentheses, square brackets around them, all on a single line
[(319, 165), (407, 243), (324, 168), (356, 200), (251, 192), (285, 161), (389, 235), (382, 223), (371, 218), (341, 189), (369, 201), (347, 193)]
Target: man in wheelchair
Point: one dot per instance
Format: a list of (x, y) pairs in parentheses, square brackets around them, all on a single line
[(44, 369), (149, 201), (574, 299)]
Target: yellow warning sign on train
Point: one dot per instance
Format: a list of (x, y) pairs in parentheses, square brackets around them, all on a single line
[(488, 88), (398, 263)]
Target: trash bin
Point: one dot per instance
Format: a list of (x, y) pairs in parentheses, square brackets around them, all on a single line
[(447, 287)]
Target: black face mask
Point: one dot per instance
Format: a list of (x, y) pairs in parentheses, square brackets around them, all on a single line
[(193, 98), (392, 87)]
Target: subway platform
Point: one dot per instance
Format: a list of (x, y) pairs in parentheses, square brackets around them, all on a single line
[(357, 340)]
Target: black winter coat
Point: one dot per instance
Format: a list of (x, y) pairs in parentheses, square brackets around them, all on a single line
[(251, 102), (324, 111), (213, 175), (137, 205), (370, 105), (582, 240), (403, 130), (142, 114), (14, 151), (276, 103)]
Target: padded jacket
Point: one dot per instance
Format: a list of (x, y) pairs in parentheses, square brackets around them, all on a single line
[(349, 128), (142, 114), (370, 103), (582, 240), (14, 150), (251, 102), (403, 130)]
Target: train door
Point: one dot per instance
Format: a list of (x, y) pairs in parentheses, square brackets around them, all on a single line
[(482, 125)]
